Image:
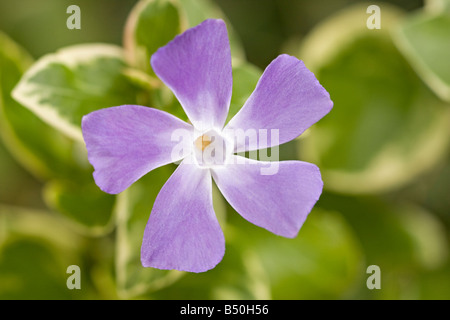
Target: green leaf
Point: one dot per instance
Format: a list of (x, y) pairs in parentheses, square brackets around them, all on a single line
[(437, 6), (49, 154), (83, 203), (239, 276), (322, 262), (196, 11), (245, 78), (62, 87), (35, 251), (386, 126), (133, 210), (150, 25), (403, 240), (432, 191), (153, 23), (165, 100), (433, 285), (393, 235), (424, 39), (18, 187), (38, 147)]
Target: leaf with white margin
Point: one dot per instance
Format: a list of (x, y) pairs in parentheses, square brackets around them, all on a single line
[(150, 25), (133, 210), (41, 149), (83, 203), (404, 240), (245, 78), (323, 261), (153, 23), (239, 276), (35, 251), (62, 87), (424, 39), (434, 6), (386, 126), (196, 11)]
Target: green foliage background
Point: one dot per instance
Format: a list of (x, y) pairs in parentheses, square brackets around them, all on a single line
[(383, 151)]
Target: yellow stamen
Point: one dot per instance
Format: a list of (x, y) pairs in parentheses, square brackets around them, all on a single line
[(202, 142)]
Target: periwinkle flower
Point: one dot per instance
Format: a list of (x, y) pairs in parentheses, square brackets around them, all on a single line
[(126, 142)]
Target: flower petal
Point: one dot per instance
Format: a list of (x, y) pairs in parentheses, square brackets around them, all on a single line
[(287, 98), (126, 142), (196, 66), (276, 196), (183, 232)]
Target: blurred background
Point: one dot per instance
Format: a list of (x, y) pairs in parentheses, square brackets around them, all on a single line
[(383, 151)]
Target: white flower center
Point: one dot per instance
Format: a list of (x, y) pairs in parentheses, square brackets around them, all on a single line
[(211, 149)]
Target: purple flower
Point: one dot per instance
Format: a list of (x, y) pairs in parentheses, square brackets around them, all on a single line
[(126, 142)]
